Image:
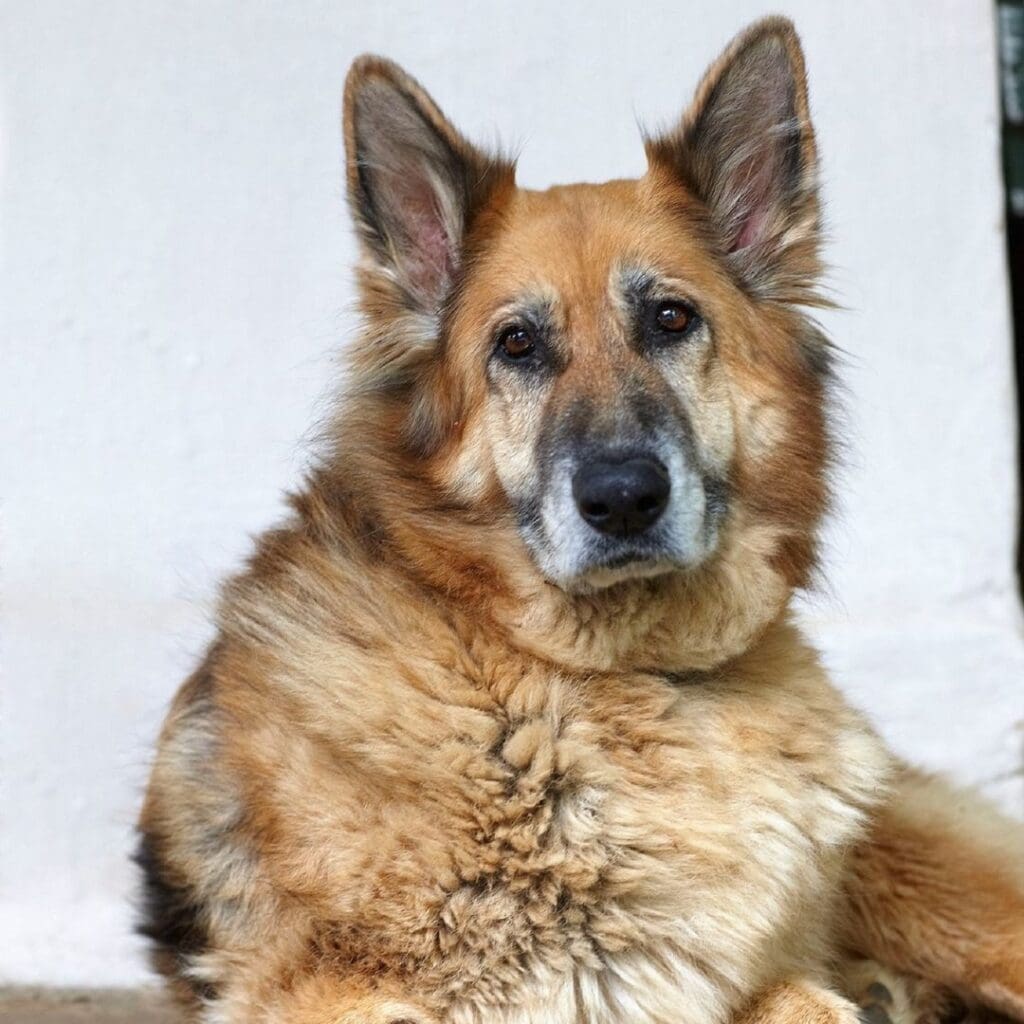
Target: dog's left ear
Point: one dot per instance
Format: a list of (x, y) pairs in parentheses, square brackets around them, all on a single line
[(746, 149)]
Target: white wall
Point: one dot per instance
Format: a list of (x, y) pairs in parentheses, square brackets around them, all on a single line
[(176, 285)]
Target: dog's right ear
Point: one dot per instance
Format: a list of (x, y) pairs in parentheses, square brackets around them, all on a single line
[(414, 182)]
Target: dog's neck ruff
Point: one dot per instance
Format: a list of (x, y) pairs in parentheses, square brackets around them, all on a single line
[(676, 624)]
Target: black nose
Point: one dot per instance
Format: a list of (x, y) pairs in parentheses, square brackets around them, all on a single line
[(622, 498)]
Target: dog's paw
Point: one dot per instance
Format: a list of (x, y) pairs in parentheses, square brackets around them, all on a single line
[(877, 1004), (884, 997), (881, 996)]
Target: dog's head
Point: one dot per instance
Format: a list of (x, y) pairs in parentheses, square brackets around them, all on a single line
[(620, 372)]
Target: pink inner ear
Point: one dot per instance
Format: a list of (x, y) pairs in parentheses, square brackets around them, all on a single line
[(755, 184), (429, 260), (758, 175), (751, 229)]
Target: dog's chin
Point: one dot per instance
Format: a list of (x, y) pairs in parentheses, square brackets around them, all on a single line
[(601, 577), (621, 566)]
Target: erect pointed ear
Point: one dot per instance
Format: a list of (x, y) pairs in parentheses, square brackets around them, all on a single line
[(414, 182), (746, 148)]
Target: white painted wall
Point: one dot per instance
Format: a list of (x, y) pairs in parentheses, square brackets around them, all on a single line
[(175, 286)]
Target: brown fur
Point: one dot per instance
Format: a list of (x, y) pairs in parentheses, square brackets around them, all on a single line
[(415, 780)]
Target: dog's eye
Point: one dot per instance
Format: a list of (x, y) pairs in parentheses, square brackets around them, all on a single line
[(517, 342), (674, 317)]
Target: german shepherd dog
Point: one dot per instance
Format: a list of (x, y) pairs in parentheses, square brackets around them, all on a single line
[(509, 722)]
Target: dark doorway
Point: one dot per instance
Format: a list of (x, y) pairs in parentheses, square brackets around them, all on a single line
[(1011, 67)]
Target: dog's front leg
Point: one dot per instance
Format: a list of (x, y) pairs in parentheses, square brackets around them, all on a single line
[(937, 891), (322, 998), (801, 1001)]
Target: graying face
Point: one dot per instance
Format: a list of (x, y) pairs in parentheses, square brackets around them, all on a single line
[(611, 429)]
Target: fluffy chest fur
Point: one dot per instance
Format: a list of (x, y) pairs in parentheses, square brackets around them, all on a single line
[(524, 844)]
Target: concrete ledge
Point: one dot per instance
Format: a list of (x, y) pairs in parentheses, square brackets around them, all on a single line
[(72, 1006)]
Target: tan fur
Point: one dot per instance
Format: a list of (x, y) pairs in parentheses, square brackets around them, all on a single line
[(938, 891), (414, 780)]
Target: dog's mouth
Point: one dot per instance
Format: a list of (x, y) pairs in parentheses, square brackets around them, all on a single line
[(623, 566), (595, 562)]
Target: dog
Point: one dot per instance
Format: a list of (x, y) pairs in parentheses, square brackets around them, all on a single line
[(509, 721)]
